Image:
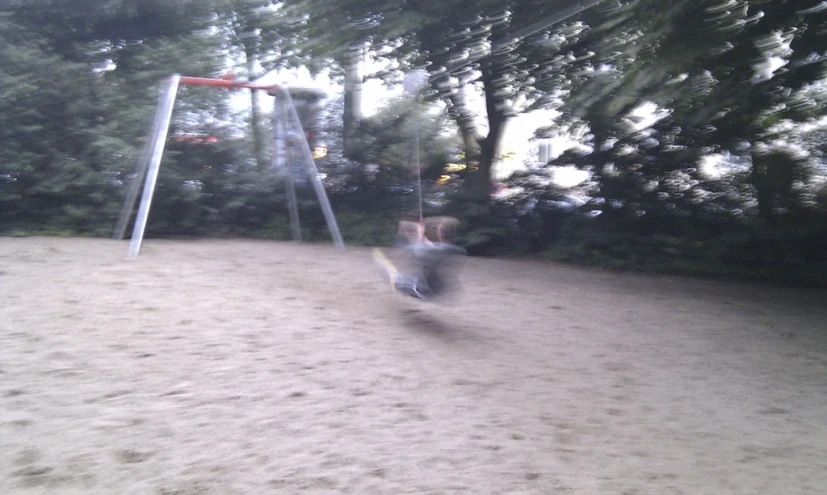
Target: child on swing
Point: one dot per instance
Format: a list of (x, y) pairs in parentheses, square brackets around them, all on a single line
[(428, 241)]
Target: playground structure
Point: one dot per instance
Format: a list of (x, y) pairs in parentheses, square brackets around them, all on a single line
[(288, 130), (290, 144)]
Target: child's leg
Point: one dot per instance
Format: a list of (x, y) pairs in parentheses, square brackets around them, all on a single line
[(383, 261), (407, 284)]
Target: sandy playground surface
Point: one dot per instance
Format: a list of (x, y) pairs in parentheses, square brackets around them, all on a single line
[(252, 367)]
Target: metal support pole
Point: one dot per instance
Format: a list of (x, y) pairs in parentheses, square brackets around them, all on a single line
[(132, 192), (143, 164), (158, 142), (281, 165), (314, 174)]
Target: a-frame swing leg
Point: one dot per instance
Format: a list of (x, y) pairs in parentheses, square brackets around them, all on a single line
[(280, 164), (160, 125), (313, 172), (293, 207), (159, 137), (132, 194)]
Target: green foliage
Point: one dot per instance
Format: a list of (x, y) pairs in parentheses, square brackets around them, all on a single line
[(259, 37), (486, 226), (390, 139), (361, 229), (216, 189), (78, 86), (383, 177), (709, 68), (469, 48), (793, 253), (48, 126)]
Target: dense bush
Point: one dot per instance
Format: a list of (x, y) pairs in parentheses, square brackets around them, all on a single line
[(791, 254)]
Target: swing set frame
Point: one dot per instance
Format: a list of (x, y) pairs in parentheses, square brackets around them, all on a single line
[(149, 163), (151, 158)]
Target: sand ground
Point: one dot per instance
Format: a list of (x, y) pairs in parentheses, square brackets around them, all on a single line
[(252, 367)]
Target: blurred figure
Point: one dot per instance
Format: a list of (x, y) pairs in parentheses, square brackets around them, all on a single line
[(429, 245)]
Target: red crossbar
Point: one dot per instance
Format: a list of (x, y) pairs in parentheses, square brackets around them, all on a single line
[(223, 83)]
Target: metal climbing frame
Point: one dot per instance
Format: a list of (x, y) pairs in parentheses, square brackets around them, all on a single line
[(288, 129)]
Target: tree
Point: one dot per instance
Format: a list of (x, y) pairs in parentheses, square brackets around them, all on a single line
[(48, 127), (338, 36), (79, 89), (499, 49), (469, 46), (260, 34), (722, 74)]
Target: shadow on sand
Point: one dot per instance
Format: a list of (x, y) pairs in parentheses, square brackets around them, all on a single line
[(429, 323)]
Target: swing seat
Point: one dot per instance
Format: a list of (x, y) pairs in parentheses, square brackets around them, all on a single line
[(434, 282)]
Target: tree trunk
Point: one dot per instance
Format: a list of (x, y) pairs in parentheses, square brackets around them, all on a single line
[(354, 80), (258, 135), (773, 175), (255, 115), (479, 182), (470, 140), (599, 159)]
